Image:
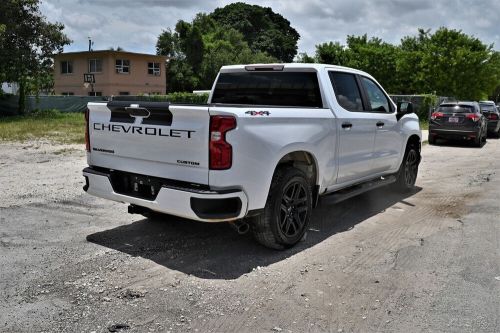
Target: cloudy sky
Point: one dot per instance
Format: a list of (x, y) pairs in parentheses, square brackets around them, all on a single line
[(135, 24)]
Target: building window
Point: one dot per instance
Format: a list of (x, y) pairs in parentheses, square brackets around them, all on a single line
[(122, 66), (95, 65), (154, 68), (69, 93), (66, 67), (95, 93), (123, 93)]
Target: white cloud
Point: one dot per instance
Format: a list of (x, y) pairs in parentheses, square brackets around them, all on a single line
[(135, 25)]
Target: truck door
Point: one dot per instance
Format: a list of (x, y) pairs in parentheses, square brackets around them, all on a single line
[(387, 148), (356, 127)]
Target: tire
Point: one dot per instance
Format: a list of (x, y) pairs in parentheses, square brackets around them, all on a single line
[(408, 171), (431, 139), (479, 140), (287, 212)]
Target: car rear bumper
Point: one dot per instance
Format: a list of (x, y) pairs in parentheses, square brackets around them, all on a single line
[(493, 125), (453, 133), (200, 205)]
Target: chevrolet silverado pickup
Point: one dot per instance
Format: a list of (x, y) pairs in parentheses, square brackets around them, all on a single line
[(271, 141)]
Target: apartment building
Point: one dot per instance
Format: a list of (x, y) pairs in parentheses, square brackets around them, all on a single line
[(113, 72)]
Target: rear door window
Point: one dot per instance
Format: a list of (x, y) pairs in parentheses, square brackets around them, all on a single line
[(292, 89), (347, 91), (376, 97)]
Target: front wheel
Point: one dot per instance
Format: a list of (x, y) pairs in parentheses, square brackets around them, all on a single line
[(408, 171), (287, 212)]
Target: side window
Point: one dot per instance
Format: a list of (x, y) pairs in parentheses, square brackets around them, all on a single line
[(347, 91), (376, 97)]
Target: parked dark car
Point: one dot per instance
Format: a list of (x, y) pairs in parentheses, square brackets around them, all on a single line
[(459, 121), (492, 113)]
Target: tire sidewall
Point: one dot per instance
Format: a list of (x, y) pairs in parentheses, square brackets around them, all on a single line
[(294, 175), (402, 172)]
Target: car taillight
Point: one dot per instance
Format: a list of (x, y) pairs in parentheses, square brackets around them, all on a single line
[(87, 139), (436, 115), (472, 116), (493, 116), (221, 152)]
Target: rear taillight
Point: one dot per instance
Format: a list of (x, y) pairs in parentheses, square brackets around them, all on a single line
[(493, 116), (472, 116), (87, 139), (436, 115), (221, 152)]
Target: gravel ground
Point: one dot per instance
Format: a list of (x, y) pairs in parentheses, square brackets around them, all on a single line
[(380, 262)]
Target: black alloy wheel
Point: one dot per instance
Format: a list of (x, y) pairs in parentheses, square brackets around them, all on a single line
[(293, 210), (287, 213), (408, 171), (411, 168)]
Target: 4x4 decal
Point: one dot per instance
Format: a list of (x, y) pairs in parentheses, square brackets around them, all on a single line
[(258, 113)]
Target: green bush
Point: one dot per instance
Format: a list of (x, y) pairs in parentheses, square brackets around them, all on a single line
[(176, 97), (428, 101), (185, 97)]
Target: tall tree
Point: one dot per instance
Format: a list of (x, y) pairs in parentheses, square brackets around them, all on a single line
[(198, 49), (263, 29), (332, 53), (27, 43), (375, 57), (450, 63)]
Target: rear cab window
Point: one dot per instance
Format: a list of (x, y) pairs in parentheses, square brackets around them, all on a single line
[(283, 89), (456, 108), (487, 107)]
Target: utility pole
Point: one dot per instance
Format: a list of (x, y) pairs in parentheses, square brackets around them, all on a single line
[(93, 80)]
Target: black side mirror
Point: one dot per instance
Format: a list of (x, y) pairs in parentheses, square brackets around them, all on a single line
[(404, 108)]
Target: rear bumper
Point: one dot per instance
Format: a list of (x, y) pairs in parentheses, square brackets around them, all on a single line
[(452, 133), (206, 206), (493, 125)]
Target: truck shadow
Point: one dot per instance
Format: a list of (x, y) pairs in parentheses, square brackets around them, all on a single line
[(216, 251)]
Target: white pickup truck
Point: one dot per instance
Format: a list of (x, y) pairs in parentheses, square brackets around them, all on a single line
[(271, 141)]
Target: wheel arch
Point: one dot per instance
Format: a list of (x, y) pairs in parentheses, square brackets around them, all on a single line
[(306, 162), (414, 139)]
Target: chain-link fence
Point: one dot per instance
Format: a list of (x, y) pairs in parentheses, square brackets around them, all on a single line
[(9, 103), (422, 104)]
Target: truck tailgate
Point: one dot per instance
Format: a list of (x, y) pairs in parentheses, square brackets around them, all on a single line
[(153, 138)]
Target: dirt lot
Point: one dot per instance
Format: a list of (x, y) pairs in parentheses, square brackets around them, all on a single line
[(381, 262)]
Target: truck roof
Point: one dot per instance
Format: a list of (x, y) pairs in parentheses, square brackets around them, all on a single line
[(290, 66)]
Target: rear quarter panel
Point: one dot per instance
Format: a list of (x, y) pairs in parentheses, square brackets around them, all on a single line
[(260, 141)]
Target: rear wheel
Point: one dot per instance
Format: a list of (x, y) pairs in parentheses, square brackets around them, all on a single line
[(408, 171), (480, 139), (431, 139), (287, 212)]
